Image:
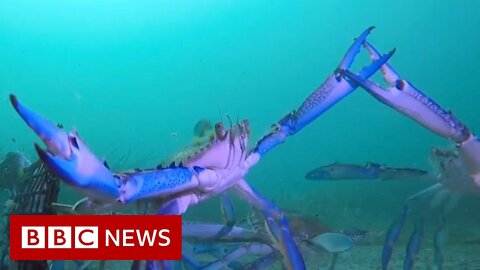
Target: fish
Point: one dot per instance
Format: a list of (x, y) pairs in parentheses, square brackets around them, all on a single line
[(368, 171), (355, 234)]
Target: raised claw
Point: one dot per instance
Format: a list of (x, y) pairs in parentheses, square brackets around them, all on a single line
[(69, 157), (54, 137), (349, 57), (405, 98), (334, 89)]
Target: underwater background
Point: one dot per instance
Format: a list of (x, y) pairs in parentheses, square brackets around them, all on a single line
[(135, 76)]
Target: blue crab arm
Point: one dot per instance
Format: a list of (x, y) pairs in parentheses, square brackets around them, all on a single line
[(402, 96), (328, 94), (413, 246), (392, 236), (157, 183), (281, 230)]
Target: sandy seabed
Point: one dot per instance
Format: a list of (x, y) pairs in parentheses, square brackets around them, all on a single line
[(367, 257)]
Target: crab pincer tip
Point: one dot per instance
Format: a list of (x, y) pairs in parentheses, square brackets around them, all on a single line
[(13, 100)]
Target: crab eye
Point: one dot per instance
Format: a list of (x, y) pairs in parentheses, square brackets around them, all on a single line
[(400, 84)]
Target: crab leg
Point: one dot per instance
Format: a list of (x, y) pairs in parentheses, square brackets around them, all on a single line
[(408, 100), (392, 236), (283, 238), (228, 215), (280, 231), (328, 94)]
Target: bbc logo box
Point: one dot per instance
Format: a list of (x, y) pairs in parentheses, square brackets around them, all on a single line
[(95, 237)]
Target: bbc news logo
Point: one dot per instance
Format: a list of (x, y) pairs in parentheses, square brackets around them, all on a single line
[(95, 237)]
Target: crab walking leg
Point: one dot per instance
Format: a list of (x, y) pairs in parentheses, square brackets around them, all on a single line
[(328, 94), (408, 100), (431, 189), (283, 236), (228, 214), (392, 236)]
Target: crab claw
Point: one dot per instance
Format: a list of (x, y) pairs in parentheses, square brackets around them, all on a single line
[(405, 98), (54, 137), (349, 57), (69, 157), (333, 89), (83, 171)]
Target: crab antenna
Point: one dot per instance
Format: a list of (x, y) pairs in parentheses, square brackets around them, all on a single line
[(229, 120)]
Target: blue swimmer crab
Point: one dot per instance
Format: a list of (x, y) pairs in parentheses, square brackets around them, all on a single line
[(459, 169), (221, 167)]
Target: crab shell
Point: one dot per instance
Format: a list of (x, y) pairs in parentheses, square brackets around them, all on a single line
[(216, 150)]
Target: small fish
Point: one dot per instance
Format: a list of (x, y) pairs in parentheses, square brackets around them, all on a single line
[(392, 236), (369, 171), (337, 171), (414, 244), (355, 234)]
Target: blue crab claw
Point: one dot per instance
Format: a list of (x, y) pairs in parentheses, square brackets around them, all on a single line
[(54, 137), (69, 157), (405, 98), (349, 57), (82, 170), (334, 89)]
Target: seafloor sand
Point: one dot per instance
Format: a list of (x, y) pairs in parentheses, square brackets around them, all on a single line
[(457, 257)]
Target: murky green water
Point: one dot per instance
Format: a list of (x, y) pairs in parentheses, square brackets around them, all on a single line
[(134, 76)]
